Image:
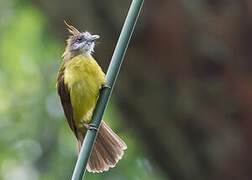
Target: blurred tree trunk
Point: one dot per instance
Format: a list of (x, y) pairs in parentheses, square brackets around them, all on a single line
[(186, 84)]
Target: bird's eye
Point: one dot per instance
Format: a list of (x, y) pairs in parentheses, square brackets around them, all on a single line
[(79, 39)]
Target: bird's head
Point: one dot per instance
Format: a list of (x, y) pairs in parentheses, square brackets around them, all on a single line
[(79, 42)]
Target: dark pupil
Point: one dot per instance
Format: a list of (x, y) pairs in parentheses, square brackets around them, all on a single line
[(79, 39)]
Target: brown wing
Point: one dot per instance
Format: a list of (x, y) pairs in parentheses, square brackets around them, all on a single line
[(65, 98)]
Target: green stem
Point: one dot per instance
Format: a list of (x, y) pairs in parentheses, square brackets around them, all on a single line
[(113, 70)]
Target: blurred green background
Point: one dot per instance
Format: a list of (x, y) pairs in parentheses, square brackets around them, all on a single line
[(35, 141), (182, 102)]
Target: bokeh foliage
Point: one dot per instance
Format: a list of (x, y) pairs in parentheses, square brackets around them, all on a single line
[(35, 141)]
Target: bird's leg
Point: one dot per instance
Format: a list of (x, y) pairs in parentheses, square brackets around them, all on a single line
[(105, 86), (90, 126)]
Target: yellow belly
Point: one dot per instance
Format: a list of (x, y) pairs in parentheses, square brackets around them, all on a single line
[(84, 78)]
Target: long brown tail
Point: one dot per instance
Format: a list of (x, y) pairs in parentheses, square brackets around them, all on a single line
[(107, 151)]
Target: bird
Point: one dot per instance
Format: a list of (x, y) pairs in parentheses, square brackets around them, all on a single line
[(78, 84)]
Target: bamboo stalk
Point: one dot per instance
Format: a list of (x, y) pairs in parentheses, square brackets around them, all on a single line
[(112, 73)]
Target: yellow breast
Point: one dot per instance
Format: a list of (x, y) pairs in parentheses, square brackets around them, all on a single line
[(84, 78)]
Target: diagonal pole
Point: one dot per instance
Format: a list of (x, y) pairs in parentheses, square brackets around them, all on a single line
[(112, 73)]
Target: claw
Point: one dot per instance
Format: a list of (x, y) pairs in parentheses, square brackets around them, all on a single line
[(90, 127), (105, 86)]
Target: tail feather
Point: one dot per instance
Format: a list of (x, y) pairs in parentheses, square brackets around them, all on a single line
[(107, 151)]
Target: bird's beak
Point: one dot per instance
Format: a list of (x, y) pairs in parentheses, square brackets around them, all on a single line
[(94, 37)]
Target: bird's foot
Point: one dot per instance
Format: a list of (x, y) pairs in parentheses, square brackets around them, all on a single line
[(90, 127), (104, 86)]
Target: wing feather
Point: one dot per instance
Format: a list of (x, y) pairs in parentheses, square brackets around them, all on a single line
[(65, 98)]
